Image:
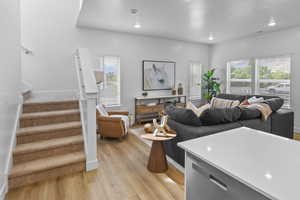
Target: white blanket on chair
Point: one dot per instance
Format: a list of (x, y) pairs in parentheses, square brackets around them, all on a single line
[(125, 119)]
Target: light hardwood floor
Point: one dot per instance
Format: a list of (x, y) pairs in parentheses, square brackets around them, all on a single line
[(122, 175)]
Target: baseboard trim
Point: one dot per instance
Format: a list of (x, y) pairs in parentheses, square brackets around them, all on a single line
[(3, 189), (12, 145), (53, 95), (297, 130), (92, 165)]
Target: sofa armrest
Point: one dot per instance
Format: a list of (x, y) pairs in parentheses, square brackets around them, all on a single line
[(282, 123)]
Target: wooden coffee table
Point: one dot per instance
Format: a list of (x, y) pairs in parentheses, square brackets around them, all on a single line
[(157, 160)]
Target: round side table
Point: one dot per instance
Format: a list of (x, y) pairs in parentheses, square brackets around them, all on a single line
[(157, 160)]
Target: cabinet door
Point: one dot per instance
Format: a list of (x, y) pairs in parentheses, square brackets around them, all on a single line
[(204, 182), (201, 185)]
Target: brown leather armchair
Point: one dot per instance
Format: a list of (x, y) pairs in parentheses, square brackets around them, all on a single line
[(112, 126)]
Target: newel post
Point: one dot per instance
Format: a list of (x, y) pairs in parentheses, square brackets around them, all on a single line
[(91, 160)]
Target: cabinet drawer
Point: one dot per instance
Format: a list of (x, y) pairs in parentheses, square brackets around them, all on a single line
[(204, 182), (149, 109)]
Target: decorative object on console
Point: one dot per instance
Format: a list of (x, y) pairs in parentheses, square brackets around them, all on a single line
[(145, 94), (158, 75), (211, 85), (174, 91), (180, 89)]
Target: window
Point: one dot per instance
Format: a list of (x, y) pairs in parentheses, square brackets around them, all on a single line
[(110, 88), (240, 76), (274, 77), (195, 80), (264, 76)]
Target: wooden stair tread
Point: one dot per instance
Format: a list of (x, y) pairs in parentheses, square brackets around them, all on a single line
[(46, 128), (49, 102), (46, 164), (49, 114), (47, 144)]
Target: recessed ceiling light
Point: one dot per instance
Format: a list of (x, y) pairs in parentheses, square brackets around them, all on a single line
[(137, 25), (272, 22), (211, 37)]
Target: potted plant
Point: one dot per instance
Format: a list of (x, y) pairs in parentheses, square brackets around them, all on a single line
[(211, 85)]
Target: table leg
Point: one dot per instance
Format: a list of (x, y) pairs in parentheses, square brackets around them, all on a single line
[(157, 161)]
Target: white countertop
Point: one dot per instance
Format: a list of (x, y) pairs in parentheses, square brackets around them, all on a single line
[(264, 162)]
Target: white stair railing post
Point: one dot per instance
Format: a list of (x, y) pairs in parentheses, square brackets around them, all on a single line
[(92, 161), (88, 98)]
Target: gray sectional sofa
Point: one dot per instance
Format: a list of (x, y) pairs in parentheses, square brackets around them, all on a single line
[(279, 123)]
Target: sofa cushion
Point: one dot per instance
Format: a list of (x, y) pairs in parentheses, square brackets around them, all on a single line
[(274, 103), (241, 98), (249, 113), (220, 115), (183, 115), (185, 132)]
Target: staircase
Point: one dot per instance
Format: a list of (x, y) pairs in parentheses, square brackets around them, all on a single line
[(49, 143)]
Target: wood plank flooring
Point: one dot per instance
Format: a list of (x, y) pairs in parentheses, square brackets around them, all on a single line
[(122, 175)]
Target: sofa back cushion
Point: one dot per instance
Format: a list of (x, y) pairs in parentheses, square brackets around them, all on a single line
[(214, 116), (241, 98), (249, 113), (183, 116)]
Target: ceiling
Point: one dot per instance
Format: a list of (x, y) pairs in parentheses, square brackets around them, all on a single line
[(191, 20)]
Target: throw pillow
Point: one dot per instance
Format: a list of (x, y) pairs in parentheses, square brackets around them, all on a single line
[(224, 103), (183, 116), (245, 103), (254, 99), (220, 115), (274, 103), (102, 110), (197, 111)]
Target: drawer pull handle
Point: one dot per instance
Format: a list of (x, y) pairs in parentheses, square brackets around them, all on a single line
[(217, 182)]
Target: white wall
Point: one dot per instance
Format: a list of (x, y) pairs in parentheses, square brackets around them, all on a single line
[(285, 42), (9, 78), (48, 28)]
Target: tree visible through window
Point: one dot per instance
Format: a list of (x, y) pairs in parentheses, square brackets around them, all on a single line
[(240, 77), (264, 76), (274, 77)]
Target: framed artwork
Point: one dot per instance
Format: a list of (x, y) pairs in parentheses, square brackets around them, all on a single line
[(158, 75)]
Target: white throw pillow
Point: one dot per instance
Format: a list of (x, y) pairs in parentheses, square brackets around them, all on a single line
[(223, 103), (197, 111), (102, 111), (254, 99)]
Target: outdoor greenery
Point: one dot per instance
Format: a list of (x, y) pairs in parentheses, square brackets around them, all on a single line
[(241, 72), (264, 73), (211, 85)]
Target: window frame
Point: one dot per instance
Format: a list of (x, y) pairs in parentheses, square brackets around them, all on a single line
[(255, 74), (101, 62)]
